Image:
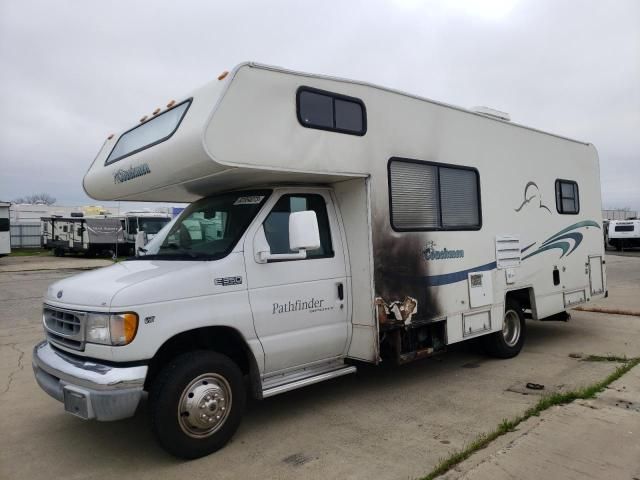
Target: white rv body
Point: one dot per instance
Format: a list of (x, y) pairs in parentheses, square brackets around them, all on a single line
[(5, 229), (624, 233), (434, 221), (142, 221)]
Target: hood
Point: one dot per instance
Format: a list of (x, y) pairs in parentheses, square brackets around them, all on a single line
[(137, 282), (98, 287)]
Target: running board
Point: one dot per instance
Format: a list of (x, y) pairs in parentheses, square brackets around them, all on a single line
[(309, 380)]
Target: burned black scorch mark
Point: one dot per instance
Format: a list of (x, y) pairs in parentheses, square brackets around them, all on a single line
[(398, 262)]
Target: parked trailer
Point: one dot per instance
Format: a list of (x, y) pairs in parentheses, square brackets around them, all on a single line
[(96, 235), (5, 229), (333, 222), (624, 233)]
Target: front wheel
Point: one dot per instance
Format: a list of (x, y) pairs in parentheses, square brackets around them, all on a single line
[(508, 342), (197, 402)]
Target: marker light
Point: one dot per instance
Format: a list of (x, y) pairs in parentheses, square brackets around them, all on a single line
[(110, 137), (171, 103), (222, 75), (123, 328), (143, 119), (156, 111)]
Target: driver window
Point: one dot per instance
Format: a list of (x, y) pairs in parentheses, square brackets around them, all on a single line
[(276, 225)]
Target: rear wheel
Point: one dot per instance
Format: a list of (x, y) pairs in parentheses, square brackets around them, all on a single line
[(197, 402), (508, 342)]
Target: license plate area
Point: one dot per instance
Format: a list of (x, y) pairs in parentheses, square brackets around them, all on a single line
[(76, 402)]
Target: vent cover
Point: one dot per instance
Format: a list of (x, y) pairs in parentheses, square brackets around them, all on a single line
[(508, 251)]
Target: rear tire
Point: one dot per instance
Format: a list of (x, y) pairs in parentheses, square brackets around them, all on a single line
[(508, 342), (197, 402)]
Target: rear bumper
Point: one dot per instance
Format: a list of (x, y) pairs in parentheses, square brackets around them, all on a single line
[(100, 392)]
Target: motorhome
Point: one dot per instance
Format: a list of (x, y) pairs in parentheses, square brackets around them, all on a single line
[(93, 235), (332, 222), (5, 229), (624, 233), (135, 221)]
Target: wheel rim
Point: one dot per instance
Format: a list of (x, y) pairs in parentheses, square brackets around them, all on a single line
[(511, 328), (204, 405)]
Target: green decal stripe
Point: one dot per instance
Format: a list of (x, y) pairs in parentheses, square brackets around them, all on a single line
[(564, 246), (585, 223)]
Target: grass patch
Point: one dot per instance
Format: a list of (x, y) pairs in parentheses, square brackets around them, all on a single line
[(544, 403), (29, 252)]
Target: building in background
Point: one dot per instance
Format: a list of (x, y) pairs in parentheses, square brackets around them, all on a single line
[(619, 214)]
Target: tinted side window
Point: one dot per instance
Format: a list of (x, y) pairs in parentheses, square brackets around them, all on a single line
[(567, 198), (4, 224), (348, 115), (316, 110), (276, 225), (331, 111)]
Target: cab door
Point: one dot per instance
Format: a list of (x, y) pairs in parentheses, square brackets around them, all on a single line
[(299, 306)]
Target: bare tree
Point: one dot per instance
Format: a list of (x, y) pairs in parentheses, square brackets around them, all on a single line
[(42, 198)]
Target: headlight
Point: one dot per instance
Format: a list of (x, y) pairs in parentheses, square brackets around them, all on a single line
[(111, 329)]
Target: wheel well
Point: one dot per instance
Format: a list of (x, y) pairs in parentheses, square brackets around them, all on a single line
[(224, 340), (526, 298)]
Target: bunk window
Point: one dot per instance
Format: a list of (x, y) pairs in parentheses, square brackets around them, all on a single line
[(331, 111), (431, 196), (567, 198), (150, 133)]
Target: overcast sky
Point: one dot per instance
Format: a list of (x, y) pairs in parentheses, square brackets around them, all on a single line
[(72, 72)]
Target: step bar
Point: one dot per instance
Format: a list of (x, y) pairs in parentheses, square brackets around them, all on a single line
[(270, 391)]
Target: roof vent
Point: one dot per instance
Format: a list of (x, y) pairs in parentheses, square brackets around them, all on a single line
[(490, 112)]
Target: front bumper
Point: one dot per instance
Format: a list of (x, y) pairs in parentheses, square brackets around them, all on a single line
[(89, 390)]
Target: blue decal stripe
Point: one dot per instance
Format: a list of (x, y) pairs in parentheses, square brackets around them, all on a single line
[(446, 278), (527, 247)]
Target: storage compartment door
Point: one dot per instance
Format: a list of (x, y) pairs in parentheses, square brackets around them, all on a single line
[(595, 275)]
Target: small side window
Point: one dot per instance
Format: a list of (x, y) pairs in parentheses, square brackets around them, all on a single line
[(276, 225), (331, 111), (4, 225), (567, 197)]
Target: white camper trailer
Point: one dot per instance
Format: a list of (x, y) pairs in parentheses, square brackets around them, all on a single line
[(333, 222), (624, 233), (79, 234), (5, 229)]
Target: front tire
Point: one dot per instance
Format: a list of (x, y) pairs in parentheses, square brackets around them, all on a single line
[(508, 342), (197, 402)]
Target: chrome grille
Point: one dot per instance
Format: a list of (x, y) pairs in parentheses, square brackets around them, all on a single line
[(64, 327)]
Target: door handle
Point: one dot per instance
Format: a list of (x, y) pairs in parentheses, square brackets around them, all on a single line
[(340, 291)]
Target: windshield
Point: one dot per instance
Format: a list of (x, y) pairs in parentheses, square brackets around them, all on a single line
[(152, 225), (207, 229)]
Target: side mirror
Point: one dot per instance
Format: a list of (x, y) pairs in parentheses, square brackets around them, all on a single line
[(304, 235), (141, 240)]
